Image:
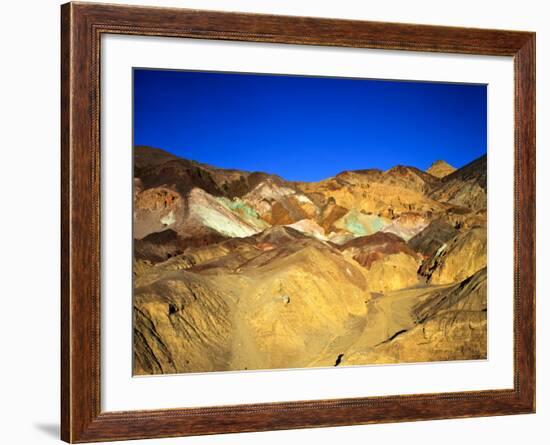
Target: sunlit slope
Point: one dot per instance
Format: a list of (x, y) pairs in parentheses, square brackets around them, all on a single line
[(238, 270)]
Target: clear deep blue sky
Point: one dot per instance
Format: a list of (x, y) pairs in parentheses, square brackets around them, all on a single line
[(308, 128)]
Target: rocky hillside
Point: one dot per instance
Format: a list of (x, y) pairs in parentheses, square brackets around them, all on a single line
[(238, 270), (466, 187), (440, 169)]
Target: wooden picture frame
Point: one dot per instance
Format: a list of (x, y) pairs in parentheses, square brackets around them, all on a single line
[(82, 26)]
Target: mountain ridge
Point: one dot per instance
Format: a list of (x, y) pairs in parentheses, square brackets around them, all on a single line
[(157, 155)]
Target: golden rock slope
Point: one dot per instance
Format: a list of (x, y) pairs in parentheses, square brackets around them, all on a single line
[(440, 169), (240, 271)]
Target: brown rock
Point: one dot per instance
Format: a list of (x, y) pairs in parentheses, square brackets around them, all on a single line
[(466, 187)]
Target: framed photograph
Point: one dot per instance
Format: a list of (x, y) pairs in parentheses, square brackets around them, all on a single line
[(275, 222)]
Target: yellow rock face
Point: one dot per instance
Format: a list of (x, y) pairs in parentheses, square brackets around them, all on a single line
[(440, 169), (297, 309), (458, 258), (181, 324), (275, 312), (386, 200), (442, 323), (393, 272)]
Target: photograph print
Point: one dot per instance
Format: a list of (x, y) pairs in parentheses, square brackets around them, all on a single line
[(285, 221)]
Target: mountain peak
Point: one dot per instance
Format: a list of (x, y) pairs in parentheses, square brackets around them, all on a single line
[(440, 168)]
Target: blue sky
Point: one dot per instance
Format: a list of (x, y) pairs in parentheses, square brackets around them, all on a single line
[(308, 128)]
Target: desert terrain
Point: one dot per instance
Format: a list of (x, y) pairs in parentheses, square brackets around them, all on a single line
[(237, 270)]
